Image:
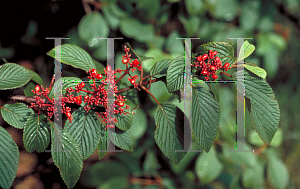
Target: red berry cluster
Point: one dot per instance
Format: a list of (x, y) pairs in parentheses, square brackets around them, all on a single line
[(209, 64)]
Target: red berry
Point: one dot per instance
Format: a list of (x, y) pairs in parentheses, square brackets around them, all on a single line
[(210, 51), (108, 68), (226, 65), (75, 99), (135, 63), (37, 88), (78, 102), (86, 97), (205, 56), (199, 58), (214, 76), (99, 76), (132, 81), (121, 104), (68, 114), (94, 72), (217, 59), (79, 97), (204, 72), (82, 84), (215, 53), (124, 61), (213, 67)]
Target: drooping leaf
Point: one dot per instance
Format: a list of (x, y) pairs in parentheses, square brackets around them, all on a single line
[(13, 76), (208, 167), (122, 139), (214, 89), (205, 117), (36, 136), (66, 155), (175, 74), (92, 27), (9, 159), (160, 67), (61, 85), (85, 130), (124, 121), (74, 56), (16, 114), (256, 70), (265, 112), (246, 50), (36, 77), (169, 135), (225, 51)]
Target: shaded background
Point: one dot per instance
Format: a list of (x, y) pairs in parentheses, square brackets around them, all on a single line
[(151, 27)]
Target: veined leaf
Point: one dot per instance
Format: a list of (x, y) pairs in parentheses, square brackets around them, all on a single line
[(61, 85), (16, 114), (36, 136), (92, 27), (160, 67), (13, 76), (124, 121), (175, 74), (214, 89), (246, 50), (85, 130), (169, 135), (122, 139), (256, 70), (74, 56), (265, 112), (206, 117), (225, 51), (36, 77), (9, 159), (66, 155)]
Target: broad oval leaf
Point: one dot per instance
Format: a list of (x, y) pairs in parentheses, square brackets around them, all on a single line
[(60, 86), (265, 114), (256, 70), (36, 77), (74, 56), (242, 158), (205, 117), (175, 74), (66, 155), (9, 159), (16, 114), (124, 121), (246, 50), (92, 27), (160, 67), (85, 130), (253, 177), (13, 76), (278, 174), (225, 51), (208, 167), (122, 139), (36, 136), (169, 133)]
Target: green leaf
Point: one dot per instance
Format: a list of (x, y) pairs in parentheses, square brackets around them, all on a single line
[(85, 130), (256, 70), (60, 86), (256, 140), (16, 114), (9, 159), (225, 51), (174, 45), (122, 139), (36, 77), (253, 177), (277, 140), (103, 139), (169, 136), (214, 89), (92, 27), (265, 114), (175, 74), (151, 164), (13, 76), (111, 19), (115, 182), (124, 121), (246, 50), (208, 167), (133, 28), (74, 56), (242, 158), (99, 67), (27, 89), (36, 136), (278, 174), (66, 155), (160, 67), (205, 117), (193, 7)]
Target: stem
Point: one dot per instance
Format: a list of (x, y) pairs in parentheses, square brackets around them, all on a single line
[(86, 91), (86, 6), (150, 94), (52, 81), (226, 74), (125, 73), (261, 149), (142, 84), (49, 99)]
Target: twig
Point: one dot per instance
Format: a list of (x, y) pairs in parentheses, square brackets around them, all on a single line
[(226, 74), (86, 6), (52, 81)]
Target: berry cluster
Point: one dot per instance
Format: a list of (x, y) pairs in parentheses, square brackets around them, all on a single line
[(209, 64)]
